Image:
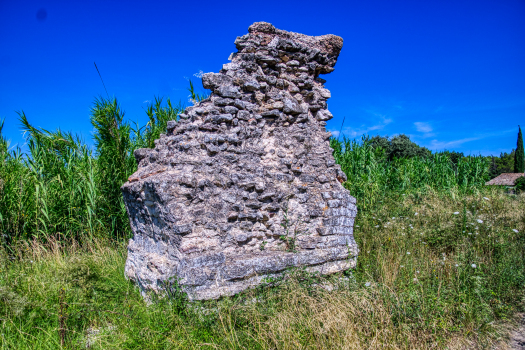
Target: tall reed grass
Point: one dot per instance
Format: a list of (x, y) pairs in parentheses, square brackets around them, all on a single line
[(62, 187), (370, 174)]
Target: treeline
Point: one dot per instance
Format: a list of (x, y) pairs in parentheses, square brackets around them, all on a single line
[(400, 146), (502, 164)]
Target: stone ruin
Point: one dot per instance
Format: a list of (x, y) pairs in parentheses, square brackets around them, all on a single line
[(244, 185)]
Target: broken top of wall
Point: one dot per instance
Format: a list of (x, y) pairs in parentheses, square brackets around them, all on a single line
[(244, 185)]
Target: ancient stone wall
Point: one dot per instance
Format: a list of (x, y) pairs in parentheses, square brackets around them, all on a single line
[(244, 185)]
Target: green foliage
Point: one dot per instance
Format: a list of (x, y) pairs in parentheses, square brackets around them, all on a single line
[(48, 191), (519, 156), (159, 116), (454, 156), (115, 162), (61, 188), (502, 164), (399, 146), (519, 184), (195, 96), (371, 174), (415, 287)]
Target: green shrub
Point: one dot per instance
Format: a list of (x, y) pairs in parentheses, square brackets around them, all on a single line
[(519, 184)]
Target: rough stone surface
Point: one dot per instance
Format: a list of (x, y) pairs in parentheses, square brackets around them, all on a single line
[(244, 185)]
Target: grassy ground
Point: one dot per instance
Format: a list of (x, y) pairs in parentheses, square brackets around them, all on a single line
[(434, 271)]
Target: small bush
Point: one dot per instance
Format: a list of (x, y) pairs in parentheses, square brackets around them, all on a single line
[(520, 184)]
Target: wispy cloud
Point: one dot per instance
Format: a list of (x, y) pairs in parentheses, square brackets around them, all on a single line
[(335, 133), (198, 74), (423, 127), (439, 145), (363, 129), (147, 101)]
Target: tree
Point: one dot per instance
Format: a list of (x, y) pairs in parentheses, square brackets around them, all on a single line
[(502, 164), (519, 156), (399, 146)]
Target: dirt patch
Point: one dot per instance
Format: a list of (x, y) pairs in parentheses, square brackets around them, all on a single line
[(516, 339)]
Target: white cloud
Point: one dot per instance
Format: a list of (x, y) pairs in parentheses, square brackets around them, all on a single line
[(198, 74), (363, 129), (423, 127), (439, 145), (147, 101), (374, 121)]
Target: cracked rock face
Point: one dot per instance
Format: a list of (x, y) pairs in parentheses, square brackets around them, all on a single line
[(244, 185)]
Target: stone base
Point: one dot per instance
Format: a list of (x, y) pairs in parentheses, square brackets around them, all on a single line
[(216, 275)]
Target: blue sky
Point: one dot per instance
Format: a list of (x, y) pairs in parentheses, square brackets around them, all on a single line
[(451, 74)]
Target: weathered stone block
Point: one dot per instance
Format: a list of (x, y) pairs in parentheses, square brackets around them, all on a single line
[(244, 185)]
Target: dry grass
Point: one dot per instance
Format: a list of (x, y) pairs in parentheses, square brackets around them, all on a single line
[(393, 300)]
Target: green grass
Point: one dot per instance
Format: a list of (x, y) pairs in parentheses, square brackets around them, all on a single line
[(393, 300)]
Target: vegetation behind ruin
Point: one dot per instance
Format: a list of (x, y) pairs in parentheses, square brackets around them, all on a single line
[(441, 260)]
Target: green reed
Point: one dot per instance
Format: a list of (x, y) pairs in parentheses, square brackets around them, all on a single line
[(370, 174)]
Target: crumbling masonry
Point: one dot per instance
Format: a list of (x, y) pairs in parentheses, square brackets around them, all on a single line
[(244, 185)]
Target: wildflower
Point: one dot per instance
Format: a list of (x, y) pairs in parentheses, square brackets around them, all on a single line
[(376, 226), (477, 233), (368, 252), (415, 279), (402, 265), (479, 221), (415, 214), (516, 231), (408, 253), (424, 242), (417, 271), (367, 284), (474, 265), (394, 218), (470, 233), (456, 212), (457, 265), (485, 198), (356, 225)]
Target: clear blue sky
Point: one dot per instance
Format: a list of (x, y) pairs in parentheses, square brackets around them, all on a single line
[(451, 74)]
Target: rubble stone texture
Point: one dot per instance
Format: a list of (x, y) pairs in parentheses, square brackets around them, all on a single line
[(244, 185)]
